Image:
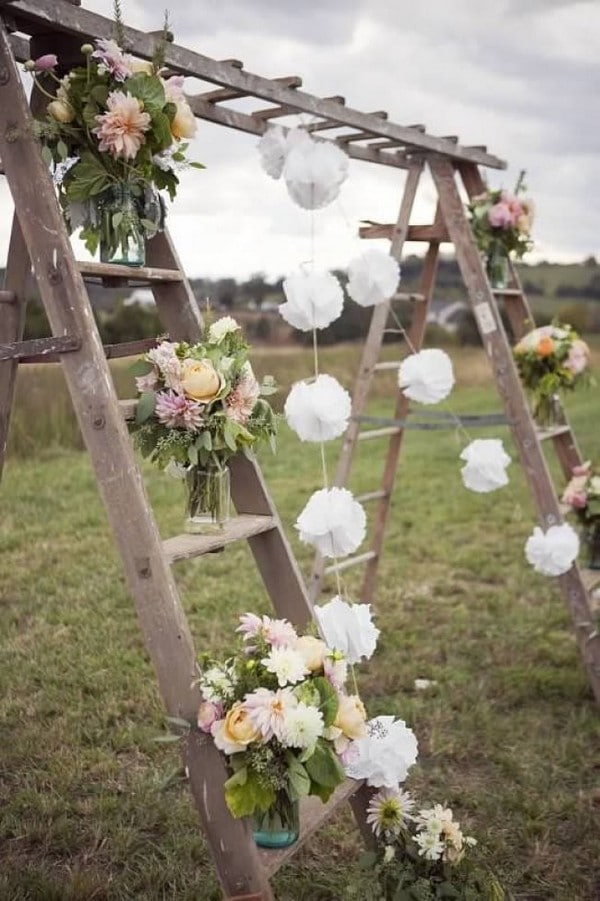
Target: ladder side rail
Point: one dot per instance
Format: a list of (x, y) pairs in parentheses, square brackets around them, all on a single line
[(497, 348), (149, 579), (177, 306), (416, 336), (370, 355)]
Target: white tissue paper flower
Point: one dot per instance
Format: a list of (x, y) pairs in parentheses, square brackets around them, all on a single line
[(348, 628), (426, 376), (319, 410), (333, 522), (272, 149), (385, 755), (373, 278), (314, 172), (485, 465), (313, 300), (552, 553)]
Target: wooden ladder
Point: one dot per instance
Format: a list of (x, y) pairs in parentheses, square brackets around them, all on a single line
[(39, 242), (452, 225)]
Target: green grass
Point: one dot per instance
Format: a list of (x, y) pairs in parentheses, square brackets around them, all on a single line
[(92, 808)]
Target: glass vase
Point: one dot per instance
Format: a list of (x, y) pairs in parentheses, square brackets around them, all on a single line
[(590, 543), (496, 267), (547, 411), (208, 499), (121, 231), (279, 826)]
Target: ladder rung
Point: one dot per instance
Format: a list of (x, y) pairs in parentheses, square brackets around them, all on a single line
[(184, 547), (371, 496), (7, 296), (129, 348), (552, 432), (37, 349), (378, 433), (138, 274), (507, 292), (313, 814), (413, 297), (350, 561), (386, 364)]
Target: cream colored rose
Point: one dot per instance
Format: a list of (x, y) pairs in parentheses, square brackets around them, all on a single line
[(61, 111), (235, 732), (184, 121), (200, 380), (137, 66), (313, 651), (351, 717)]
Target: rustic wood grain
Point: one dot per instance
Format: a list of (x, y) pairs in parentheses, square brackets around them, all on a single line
[(246, 525)]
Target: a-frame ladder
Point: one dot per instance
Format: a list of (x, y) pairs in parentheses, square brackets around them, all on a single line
[(452, 225), (40, 242)]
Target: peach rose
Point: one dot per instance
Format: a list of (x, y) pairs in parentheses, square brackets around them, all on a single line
[(184, 121), (235, 732), (200, 380), (351, 717), (313, 651), (545, 347)]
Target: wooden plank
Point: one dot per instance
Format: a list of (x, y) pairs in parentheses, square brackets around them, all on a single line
[(111, 352), (313, 814), (552, 431), (356, 560), (134, 275), (370, 434), (386, 365), (415, 297), (185, 547), (290, 81), (370, 496), (426, 233), (40, 14), (591, 577), (507, 292), (39, 347)]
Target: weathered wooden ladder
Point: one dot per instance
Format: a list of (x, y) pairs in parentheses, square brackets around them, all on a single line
[(451, 225)]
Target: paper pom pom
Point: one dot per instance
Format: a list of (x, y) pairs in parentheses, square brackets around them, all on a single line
[(319, 410), (373, 278), (314, 172), (485, 465), (333, 522), (272, 149), (348, 628), (314, 300), (385, 756), (427, 376), (552, 553)]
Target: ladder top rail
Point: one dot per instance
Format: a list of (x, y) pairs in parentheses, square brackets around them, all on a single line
[(39, 16)]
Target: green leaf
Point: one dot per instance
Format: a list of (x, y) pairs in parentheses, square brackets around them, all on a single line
[(193, 454), (244, 798), (47, 155), (117, 218), (149, 90), (99, 93), (161, 131), (329, 703), (299, 781), (323, 766), (62, 150), (197, 166), (89, 178), (230, 433), (145, 406), (141, 367), (178, 721)]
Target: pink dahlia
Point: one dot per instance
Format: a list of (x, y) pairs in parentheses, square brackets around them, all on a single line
[(500, 216), (267, 710), (176, 411), (242, 400), (278, 633), (167, 362), (111, 58), (121, 129)]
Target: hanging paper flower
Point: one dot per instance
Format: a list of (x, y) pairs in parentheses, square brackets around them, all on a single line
[(373, 278), (272, 148), (485, 465), (319, 410), (314, 300), (333, 522), (348, 628), (426, 376), (314, 172), (384, 757), (552, 553)]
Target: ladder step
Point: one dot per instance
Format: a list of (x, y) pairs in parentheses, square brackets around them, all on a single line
[(184, 547), (350, 561), (412, 297), (371, 496), (378, 433), (39, 348), (313, 814), (129, 348), (507, 292), (111, 272), (386, 364), (552, 432), (7, 296)]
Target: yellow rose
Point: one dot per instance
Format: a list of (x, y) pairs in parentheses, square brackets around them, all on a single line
[(184, 121), (524, 224), (61, 111), (235, 732), (143, 66), (351, 717), (200, 380), (313, 651)]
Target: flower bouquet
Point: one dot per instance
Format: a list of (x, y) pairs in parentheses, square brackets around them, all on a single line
[(501, 224), (420, 854), (113, 134), (278, 709), (550, 359), (582, 495), (199, 404)]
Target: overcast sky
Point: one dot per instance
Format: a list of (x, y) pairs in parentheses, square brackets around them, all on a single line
[(521, 76)]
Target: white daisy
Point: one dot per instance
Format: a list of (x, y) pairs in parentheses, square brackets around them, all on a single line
[(288, 665)]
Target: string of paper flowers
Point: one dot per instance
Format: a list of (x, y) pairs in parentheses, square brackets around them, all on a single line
[(318, 409)]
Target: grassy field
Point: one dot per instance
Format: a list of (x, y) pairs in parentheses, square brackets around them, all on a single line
[(92, 808)]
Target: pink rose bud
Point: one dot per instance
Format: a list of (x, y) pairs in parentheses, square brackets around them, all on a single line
[(579, 500), (584, 469), (500, 216), (208, 713), (46, 62)]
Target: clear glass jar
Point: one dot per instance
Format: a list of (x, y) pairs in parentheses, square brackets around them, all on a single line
[(121, 232), (208, 498)]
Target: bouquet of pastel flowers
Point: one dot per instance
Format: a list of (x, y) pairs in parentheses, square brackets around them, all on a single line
[(550, 359), (582, 495), (279, 709)]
